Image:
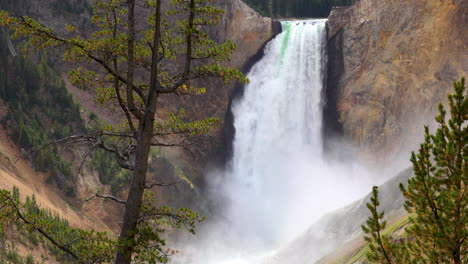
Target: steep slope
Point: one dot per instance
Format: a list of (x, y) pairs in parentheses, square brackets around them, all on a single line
[(342, 226), (15, 171), (391, 63)]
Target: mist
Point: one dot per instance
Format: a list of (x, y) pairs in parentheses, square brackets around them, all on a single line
[(279, 182)]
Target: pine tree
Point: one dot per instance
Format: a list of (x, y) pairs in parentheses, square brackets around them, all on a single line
[(435, 197), (437, 193), (379, 244)]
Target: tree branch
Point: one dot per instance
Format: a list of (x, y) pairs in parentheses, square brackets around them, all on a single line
[(129, 82), (122, 159), (108, 197), (188, 55), (93, 147), (151, 100), (122, 104), (40, 230), (131, 62), (150, 186)]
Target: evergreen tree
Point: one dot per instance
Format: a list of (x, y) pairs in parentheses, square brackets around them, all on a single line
[(437, 193), (435, 197), (378, 243)]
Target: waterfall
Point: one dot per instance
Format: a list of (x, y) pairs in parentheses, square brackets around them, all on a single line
[(278, 181), (281, 111), (278, 119)]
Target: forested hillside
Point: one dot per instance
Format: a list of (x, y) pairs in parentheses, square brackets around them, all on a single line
[(296, 8), (41, 110)]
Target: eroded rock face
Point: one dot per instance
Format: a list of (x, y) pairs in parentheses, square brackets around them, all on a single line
[(391, 63), (245, 27)]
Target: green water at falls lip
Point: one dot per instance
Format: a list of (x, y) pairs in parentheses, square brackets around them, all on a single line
[(284, 45), (287, 26)]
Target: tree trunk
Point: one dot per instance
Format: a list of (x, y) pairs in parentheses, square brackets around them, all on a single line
[(144, 142), (135, 196), (457, 257)]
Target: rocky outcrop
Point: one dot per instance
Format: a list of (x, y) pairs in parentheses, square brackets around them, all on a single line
[(245, 27), (390, 64)]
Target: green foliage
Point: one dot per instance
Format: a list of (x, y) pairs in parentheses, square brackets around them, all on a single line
[(297, 8), (136, 67), (84, 246), (437, 193), (380, 247), (435, 197), (40, 110), (154, 221), (13, 257), (29, 259), (28, 218), (206, 59), (110, 173)]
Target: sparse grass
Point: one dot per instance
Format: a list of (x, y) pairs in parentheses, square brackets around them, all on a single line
[(400, 223), (360, 249), (397, 225), (362, 253)]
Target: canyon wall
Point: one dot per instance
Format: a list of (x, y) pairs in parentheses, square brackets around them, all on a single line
[(390, 64)]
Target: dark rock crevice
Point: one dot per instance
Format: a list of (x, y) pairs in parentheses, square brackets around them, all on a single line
[(332, 128)]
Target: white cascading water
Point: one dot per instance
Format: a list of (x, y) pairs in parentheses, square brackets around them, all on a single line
[(278, 182), (278, 120)]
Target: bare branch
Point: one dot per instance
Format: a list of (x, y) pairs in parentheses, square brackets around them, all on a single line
[(108, 197), (92, 148), (123, 159), (150, 186), (90, 138)]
